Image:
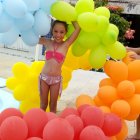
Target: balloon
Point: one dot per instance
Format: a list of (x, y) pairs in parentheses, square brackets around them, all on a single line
[(105, 109), (36, 120), (58, 129), (132, 117), (107, 94), (92, 116), (134, 70), (11, 36), (51, 115), (68, 111), (121, 108), (25, 22), (126, 89), (81, 108), (29, 37), (76, 123), (98, 101), (127, 58), (41, 23), (107, 82), (34, 138), (88, 40), (13, 128), (137, 85), (83, 6), (102, 11), (83, 99), (8, 113), (92, 133), (60, 7), (32, 5), (112, 124), (88, 21), (114, 27), (97, 57), (15, 8), (45, 5), (6, 23), (116, 51), (1, 8)]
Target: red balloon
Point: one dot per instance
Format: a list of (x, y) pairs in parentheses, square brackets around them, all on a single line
[(34, 138), (76, 123), (68, 111), (10, 112), (92, 133), (58, 129), (92, 116), (112, 124), (82, 107), (51, 115), (13, 128), (36, 119)]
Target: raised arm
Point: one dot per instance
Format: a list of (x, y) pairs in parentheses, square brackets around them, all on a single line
[(74, 35), (136, 50)]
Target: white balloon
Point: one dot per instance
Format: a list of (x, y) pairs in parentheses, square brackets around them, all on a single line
[(32, 5), (6, 23), (15, 8), (25, 23), (42, 23), (29, 37)]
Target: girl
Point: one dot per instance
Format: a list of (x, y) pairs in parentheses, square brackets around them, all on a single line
[(56, 50)]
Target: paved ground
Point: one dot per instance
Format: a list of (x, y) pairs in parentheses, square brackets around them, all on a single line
[(9, 57)]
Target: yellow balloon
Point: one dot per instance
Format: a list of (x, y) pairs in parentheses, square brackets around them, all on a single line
[(20, 70), (88, 21), (66, 74), (102, 11), (63, 11), (114, 27), (83, 6), (11, 83)]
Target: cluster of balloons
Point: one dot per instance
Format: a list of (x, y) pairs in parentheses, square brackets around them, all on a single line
[(119, 93), (24, 83), (28, 18), (70, 124), (97, 35)]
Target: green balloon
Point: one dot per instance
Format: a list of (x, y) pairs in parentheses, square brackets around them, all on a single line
[(97, 57)]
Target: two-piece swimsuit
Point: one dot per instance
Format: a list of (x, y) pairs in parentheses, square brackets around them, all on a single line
[(50, 80)]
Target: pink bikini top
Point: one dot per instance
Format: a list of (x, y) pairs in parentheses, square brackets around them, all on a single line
[(59, 57)]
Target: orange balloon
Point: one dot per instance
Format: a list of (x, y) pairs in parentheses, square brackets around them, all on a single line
[(83, 99), (121, 108), (105, 109), (106, 81), (117, 70), (134, 103), (127, 58), (137, 86), (134, 70), (97, 101), (126, 89), (131, 117), (107, 94), (124, 131)]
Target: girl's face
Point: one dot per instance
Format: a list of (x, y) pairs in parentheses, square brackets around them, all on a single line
[(59, 32)]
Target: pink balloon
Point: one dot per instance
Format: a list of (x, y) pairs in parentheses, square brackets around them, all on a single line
[(51, 115), (92, 133), (92, 116), (68, 111), (77, 124), (82, 107), (34, 138), (112, 124), (10, 112), (58, 129), (36, 120), (13, 128)]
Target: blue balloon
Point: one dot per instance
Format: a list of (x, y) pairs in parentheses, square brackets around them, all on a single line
[(1, 8), (25, 23), (29, 37), (42, 23), (46, 5), (11, 36), (6, 23), (32, 5), (15, 8)]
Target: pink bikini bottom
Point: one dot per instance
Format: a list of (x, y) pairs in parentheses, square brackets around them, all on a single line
[(51, 80)]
